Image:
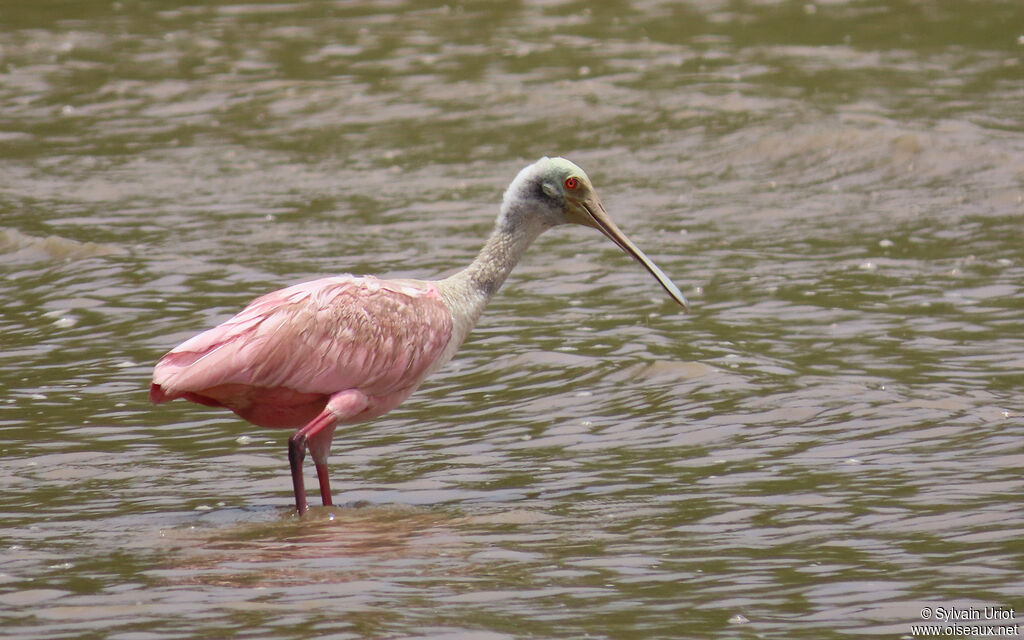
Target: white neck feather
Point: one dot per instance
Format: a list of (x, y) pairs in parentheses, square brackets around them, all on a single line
[(467, 292)]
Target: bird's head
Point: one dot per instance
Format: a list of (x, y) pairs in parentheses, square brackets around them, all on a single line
[(554, 191), (551, 190)]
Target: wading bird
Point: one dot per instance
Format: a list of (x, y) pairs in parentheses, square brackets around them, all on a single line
[(347, 349)]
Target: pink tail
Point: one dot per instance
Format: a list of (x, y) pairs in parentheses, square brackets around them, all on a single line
[(157, 395)]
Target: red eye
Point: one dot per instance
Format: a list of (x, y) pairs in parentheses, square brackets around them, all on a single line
[(571, 183)]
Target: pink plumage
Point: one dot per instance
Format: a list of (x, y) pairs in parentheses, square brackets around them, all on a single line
[(278, 362)]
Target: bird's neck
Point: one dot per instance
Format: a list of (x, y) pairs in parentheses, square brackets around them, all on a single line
[(501, 253), (467, 292)]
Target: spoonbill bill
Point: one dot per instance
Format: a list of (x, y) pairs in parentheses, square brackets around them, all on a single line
[(346, 349)]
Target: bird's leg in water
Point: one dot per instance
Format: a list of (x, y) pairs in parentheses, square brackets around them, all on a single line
[(317, 436), (325, 483), (296, 454)]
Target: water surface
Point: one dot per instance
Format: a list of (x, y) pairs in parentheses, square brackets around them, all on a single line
[(828, 443)]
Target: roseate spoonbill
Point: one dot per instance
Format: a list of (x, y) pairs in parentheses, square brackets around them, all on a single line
[(347, 349)]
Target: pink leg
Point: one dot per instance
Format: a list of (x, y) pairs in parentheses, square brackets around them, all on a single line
[(325, 483), (317, 437), (297, 453)]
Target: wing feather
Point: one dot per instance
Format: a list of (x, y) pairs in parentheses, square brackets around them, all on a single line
[(316, 338)]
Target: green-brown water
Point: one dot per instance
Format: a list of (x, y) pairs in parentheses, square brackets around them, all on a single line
[(829, 443)]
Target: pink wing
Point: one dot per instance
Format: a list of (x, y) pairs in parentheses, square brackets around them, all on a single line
[(278, 361)]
